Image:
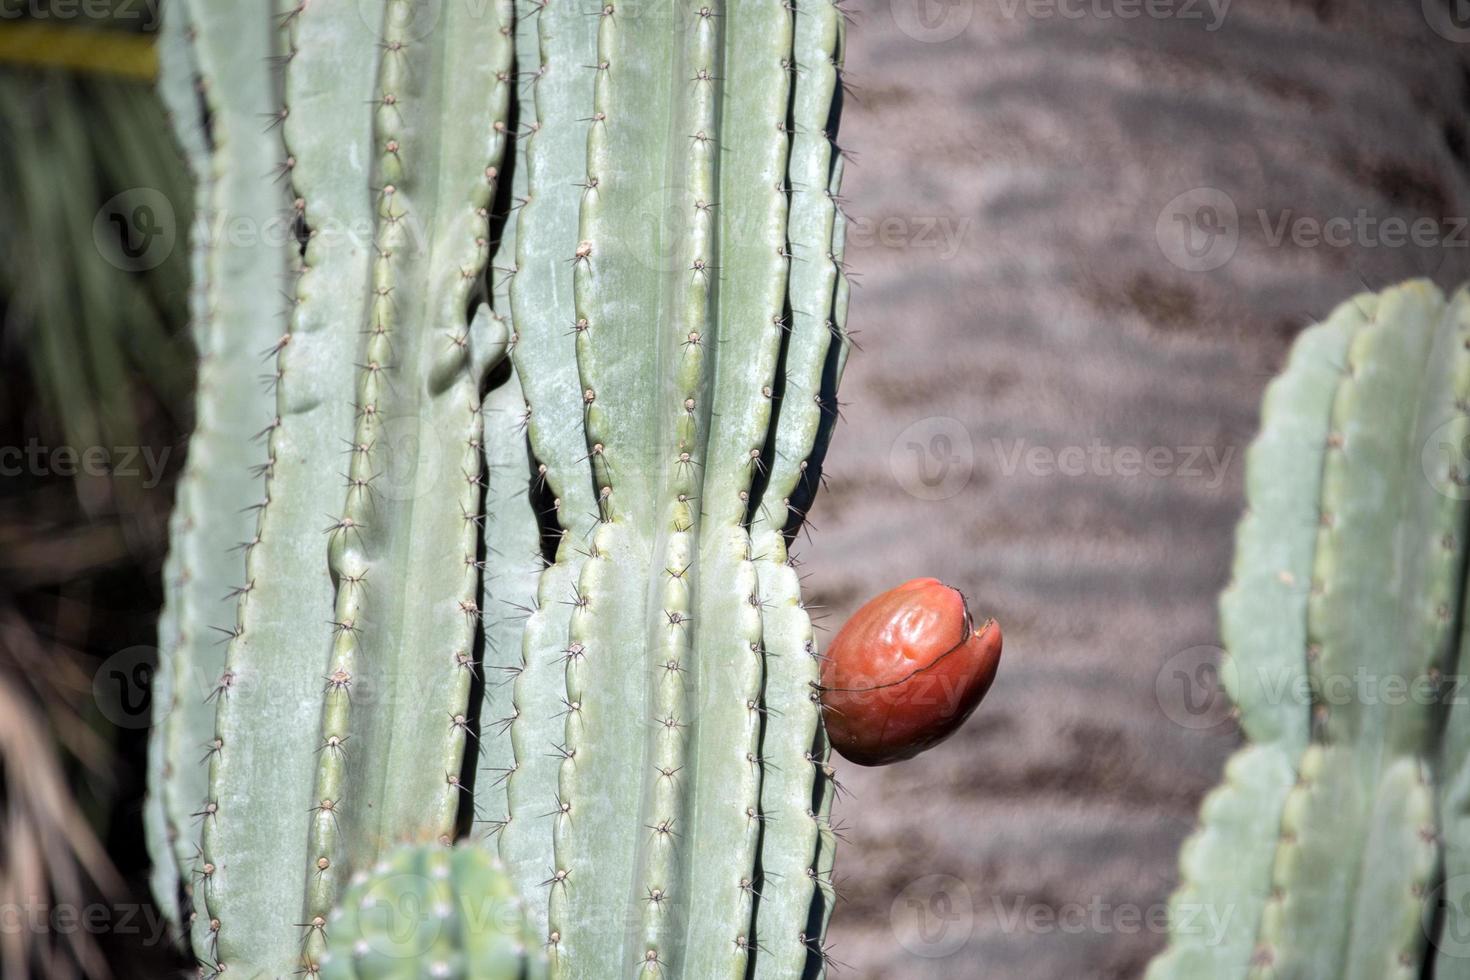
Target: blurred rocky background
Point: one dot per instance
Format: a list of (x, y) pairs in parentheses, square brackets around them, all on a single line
[(1084, 235)]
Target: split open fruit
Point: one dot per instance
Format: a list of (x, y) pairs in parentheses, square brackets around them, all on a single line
[(905, 672)]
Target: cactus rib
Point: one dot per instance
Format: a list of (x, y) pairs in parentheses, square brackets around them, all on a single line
[(266, 744)]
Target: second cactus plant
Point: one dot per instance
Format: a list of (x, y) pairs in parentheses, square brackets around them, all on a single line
[(1323, 851)]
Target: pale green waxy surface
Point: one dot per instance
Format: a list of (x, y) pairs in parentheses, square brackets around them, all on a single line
[(554, 61), (1451, 896), (268, 744), (680, 278), (511, 552), (512, 570), (1263, 612), (404, 545), (176, 88), (1400, 858), (1357, 845), (1451, 952), (351, 660), (675, 364), (825, 893), (432, 912), (624, 353), (1225, 867), (792, 750), (1381, 545), (235, 332)]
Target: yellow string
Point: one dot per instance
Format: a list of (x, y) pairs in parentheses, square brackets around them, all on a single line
[(94, 51)]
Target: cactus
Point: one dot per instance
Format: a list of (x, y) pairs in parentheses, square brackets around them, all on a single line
[(546, 599), (232, 323), (1320, 848), (432, 912)]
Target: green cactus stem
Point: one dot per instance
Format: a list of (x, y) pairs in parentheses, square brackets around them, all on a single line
[(552, 593), (215, 511), (1323, 842), (432, 912)]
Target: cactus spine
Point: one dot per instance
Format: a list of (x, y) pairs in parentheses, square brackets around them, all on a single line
[(1323, 842), (553, 594)]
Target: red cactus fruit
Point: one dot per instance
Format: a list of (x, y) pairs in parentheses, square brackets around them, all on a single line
[(905, 672)]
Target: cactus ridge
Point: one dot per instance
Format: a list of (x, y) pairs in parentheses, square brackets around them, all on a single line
[(177, 91), (683, 253), (1263, 622), (553, 49), (264, 739), (793, 884), (404, 554), (218, 501), (511, 542)]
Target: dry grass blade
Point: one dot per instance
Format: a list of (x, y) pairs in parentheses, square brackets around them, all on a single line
[(50, 860)]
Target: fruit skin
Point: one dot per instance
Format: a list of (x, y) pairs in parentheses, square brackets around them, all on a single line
[(905, 671)]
